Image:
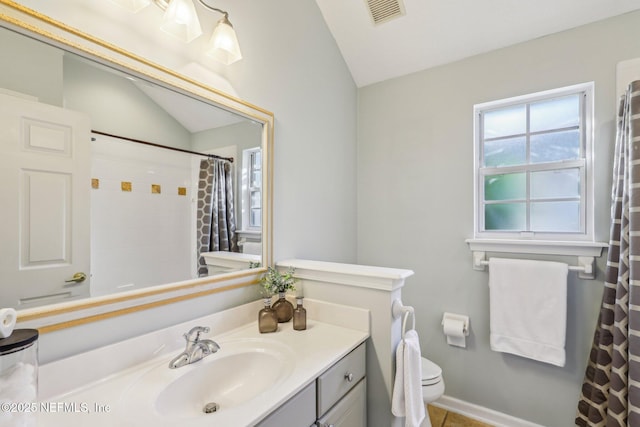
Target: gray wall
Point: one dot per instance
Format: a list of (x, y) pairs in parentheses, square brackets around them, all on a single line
[(114, 104), (117, 106), (243, 135), (415, 205), (31, 68)]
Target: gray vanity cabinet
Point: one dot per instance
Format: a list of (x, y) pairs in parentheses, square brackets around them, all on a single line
[(337, 398)]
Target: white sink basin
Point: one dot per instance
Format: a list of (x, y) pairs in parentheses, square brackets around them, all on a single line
[(240, 371)]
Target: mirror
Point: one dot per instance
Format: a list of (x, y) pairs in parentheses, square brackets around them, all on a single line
[(119, 182)]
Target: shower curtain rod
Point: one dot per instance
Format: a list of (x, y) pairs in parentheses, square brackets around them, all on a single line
[(211, 156)]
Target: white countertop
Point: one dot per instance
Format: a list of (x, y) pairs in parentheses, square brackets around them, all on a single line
[(332, 332)]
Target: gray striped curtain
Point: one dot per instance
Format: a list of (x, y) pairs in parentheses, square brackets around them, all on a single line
[(611, 389), (216, 222)]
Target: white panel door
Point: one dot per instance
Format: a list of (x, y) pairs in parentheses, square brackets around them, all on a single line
[(44, 203)]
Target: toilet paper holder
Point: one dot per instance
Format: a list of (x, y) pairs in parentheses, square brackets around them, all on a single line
[(456, 328), (459, 317)]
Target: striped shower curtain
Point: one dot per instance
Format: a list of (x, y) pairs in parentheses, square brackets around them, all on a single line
[(216, 222), (611, 389)]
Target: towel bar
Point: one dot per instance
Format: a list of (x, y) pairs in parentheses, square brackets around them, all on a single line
[(584, 268)]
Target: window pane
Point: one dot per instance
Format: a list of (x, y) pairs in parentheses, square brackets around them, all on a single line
[(505, 122), (555, 184), (505, 216), (555, 216), (256, 160), (505, 152), (256, 178), (255, 199), (255, 218), (556, 146), (509, 186), (555, 113)]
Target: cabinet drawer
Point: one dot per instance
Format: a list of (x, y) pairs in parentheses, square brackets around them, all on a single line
[(350, 411), (340, 378)]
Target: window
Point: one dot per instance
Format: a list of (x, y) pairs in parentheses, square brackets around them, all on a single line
[(533, 166), (252, 189)]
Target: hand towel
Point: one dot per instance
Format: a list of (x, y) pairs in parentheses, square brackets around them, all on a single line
[(406, 400), (528, 308)]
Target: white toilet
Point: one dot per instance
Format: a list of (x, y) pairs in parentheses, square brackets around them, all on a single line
[(432, 382)]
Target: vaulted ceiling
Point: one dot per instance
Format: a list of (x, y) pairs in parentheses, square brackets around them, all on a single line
[(436, 32)]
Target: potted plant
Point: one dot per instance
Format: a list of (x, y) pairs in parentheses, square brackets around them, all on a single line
[(275, 282)]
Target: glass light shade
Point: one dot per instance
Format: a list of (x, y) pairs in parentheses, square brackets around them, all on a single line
[(181, 20), (133, 5), (223, 46)]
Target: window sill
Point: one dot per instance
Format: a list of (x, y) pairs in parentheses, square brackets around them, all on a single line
[(551, 247)]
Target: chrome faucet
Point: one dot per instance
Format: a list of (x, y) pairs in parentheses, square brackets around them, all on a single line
[(196, 348)]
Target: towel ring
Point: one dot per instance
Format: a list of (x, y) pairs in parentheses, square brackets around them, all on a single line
[(397, 310), (408, 311)]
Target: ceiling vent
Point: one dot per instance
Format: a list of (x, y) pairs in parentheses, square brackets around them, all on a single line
[(385, 10)]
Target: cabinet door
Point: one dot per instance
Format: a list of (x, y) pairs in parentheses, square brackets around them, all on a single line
[(299, 411), (351, 411)]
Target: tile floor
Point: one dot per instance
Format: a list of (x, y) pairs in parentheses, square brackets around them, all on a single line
[(442, 418)]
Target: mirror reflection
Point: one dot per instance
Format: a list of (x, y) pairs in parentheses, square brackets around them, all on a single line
[(111, 183)]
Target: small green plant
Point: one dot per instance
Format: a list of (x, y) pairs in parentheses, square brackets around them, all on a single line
[(274, 282)]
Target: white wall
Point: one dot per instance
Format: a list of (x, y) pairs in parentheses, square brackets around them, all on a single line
[(415, 205), (292, 67)]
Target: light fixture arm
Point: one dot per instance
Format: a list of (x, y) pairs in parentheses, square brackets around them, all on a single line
[(215, 9), (163, 4)]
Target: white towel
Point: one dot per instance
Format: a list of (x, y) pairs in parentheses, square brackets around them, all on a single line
[(528, 308), (407, 388)]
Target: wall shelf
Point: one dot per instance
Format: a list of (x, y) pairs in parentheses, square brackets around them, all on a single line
[(585, 251), (542, 247)]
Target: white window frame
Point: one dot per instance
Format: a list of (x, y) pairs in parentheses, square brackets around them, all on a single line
[(585, 164), (247, 189)]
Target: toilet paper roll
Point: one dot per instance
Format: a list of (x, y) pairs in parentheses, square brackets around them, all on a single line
[(454, 330), (8, 317)]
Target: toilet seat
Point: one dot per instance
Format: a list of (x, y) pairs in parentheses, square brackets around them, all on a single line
[(431, 373)]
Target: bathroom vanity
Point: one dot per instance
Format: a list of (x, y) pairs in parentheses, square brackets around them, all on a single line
[(287, 378)]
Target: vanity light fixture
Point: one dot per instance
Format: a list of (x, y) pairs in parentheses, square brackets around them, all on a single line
[(181, 20), (223, 45)]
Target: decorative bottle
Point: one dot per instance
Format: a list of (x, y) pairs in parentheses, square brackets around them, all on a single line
[(283, 308), (267, 320), (299, 316)]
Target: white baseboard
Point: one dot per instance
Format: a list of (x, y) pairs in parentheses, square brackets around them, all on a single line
[(480, 413)]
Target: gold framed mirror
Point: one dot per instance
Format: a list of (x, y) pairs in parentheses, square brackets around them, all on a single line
[(132, 194)]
